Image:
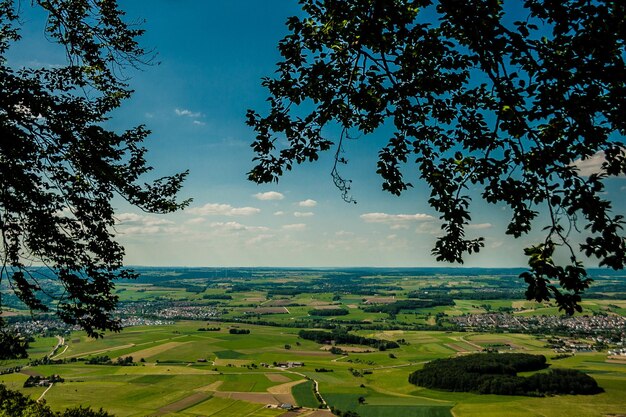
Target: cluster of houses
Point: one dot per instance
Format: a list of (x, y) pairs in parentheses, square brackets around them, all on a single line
[(511, 322), (617, 352), (283, 406), (54, 326), (283, 365), (42, 381)]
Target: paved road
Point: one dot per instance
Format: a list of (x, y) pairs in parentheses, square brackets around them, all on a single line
[(44, 393)]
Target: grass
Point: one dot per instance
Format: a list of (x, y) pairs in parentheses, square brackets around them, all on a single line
[(303, 393), (179, 378), (404, 411), (252, 382), (151, 379), (225, 407), (229, 354)]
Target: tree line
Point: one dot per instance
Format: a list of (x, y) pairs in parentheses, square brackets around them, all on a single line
[(342, 336), (493, 373), (412, 304), (328, 312)]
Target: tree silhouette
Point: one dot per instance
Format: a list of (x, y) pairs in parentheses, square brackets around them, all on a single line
[(60, 168), (504, 96)]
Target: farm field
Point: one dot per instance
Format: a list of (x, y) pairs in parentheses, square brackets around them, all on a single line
[(181, 371), (300, 297), (208, 342)]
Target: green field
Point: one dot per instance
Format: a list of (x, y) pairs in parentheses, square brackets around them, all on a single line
[(304, 396), (239, 377), (188, 368)]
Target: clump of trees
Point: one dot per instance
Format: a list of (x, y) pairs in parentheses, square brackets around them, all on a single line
[(239, 331), (105, 360), (329, 312), (336, 350), (37, 380), (493, 373), (397, 306), (99, 360), (217, 297), (343, 337), (340, 413), (209, 329)]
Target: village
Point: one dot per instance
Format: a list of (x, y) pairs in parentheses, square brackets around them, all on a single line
[(612, 325)]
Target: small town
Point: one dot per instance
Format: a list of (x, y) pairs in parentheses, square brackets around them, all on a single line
[(583, 325)]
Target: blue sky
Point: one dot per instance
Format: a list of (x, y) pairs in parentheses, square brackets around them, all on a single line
[(212, 57)]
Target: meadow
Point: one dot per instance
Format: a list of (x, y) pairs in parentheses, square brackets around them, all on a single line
[(239, 377), (287, 297), (189, 368)]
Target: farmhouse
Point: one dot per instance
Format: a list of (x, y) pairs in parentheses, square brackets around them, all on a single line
[(289, 364)]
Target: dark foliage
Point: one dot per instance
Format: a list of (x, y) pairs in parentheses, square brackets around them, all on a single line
[(493, 373), (397, 306), (15, 404), (341, 336), (12, 346), (472, 293), (340, 413), (501, 96), (60, 168), (209, 329), (217, 297), (36, 380), (239, 331), (105, 360), (329, 312)]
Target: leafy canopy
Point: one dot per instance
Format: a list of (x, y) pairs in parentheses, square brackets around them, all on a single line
[(505, 96), (60, 167)]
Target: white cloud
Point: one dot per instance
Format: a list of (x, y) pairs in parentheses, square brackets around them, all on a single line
[(36, 63), (307, 203), (199, 123), (234, 226), (212, 209), (343, 233), (392, 237), (479, 226), (428, 228), (258, 239), (141, 230), (131, 219), (65, 212), (496, 244), (187, 113), (196, 220), (136, 224), (295, 227), (303, 214), (395, 218), (269, 195), (279, 213), (591, 165)]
